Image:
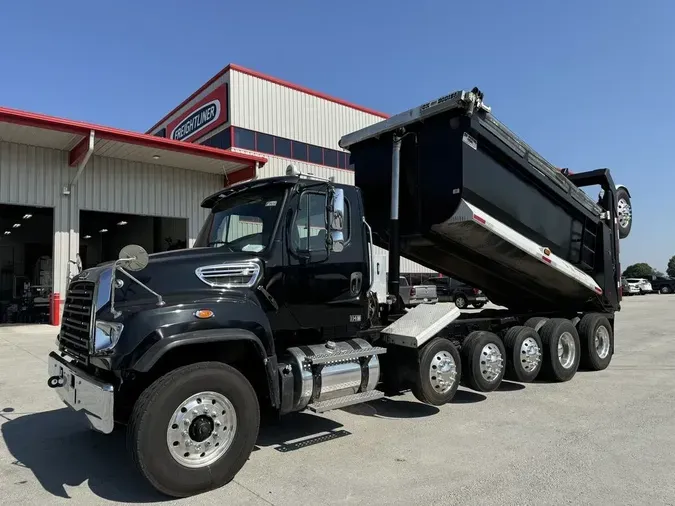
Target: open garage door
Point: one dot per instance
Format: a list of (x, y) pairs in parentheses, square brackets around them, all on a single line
[(26, 267), (103, 235)]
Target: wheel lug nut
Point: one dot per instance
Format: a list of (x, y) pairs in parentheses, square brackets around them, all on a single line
[(198, 447), (213, 414), (217, 423), (184, 433), (186, 421), (195, 412), (208, 444), (215, 434), (206, 410), (188, 443)]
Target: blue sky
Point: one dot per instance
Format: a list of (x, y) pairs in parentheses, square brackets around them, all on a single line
[(587, 83)]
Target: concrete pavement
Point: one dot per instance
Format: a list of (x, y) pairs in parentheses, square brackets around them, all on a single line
[(603, 438)]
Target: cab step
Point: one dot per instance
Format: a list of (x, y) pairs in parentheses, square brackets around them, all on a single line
[(347, 400), (337, 356)]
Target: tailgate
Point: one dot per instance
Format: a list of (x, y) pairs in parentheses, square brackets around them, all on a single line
[(425, 292)]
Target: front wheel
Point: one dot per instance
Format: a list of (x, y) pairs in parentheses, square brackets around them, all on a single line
[(193, 429), (438, 372), (461, 302)]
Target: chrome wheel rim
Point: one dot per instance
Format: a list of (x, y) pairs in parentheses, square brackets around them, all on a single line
[(443, 372), (460, 302), (491, 362), (602, 341), (201, 429), (624, 212), (567, 350), (530, 354)]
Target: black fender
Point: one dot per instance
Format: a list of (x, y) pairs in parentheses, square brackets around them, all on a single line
[(220, 335)]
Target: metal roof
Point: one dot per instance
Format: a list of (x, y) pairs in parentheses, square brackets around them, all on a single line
[(73, 136)]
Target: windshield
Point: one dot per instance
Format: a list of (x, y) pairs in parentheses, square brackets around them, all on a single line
[(243, 222)]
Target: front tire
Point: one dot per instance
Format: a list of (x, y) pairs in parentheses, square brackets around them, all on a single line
[(597, 342), (523, 352), (193, 429), (461, 302), (561, 349), (483, 356), (438, 374)]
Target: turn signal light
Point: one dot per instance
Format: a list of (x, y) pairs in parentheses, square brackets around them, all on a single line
[(204, 314)]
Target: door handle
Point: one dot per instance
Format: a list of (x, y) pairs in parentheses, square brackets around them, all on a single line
[(355, 282)]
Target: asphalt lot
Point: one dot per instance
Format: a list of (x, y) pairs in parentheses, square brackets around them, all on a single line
[(603, 438)]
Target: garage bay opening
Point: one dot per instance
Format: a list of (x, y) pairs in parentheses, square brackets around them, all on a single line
[(26, 263), (103, 235)]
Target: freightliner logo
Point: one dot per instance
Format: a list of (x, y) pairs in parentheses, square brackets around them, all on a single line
[(197, 121)]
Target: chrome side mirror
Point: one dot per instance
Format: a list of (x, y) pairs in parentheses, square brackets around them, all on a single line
[(336, 216)]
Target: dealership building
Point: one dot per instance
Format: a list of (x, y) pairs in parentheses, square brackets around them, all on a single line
[(73, 191)]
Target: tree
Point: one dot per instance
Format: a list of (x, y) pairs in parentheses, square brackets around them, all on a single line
[(671, 267), (639, 270)]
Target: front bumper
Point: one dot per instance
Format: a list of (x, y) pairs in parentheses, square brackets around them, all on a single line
[(83, 392)]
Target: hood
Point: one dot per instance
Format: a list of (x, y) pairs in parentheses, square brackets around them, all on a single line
[(173, 275)]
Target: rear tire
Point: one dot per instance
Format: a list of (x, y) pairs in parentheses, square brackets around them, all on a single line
[(483, 357), (479, 305), (665, 289), (624, 212), (155, 434), (561, 349), (523, 354), (438, 374), (597, 342), (536, 322)]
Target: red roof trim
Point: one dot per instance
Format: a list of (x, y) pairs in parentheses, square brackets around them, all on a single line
[(271, 79), (113, 134)]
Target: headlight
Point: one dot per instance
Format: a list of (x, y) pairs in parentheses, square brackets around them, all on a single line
[(106, 336)]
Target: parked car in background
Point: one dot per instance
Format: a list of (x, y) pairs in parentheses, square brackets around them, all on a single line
[(643, 285), (412, 295), (663, 284), (628, 289), (463, 295)]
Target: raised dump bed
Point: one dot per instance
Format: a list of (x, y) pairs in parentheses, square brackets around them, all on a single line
[(478, 204)]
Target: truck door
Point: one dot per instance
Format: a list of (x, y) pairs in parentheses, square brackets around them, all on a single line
[(325, 290)]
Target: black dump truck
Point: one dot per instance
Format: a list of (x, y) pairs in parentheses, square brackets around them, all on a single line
[(272, 309)]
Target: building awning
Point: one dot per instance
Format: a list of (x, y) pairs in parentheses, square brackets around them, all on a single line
[(73, 136)]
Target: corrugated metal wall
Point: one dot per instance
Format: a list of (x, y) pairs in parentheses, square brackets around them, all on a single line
[(264, 106), (34, 176)]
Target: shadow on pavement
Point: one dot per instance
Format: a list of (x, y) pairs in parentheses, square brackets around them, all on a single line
[(391, 408), (510, 386), (60, 449), (467, 397)]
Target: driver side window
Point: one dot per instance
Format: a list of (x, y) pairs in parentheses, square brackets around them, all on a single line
[(309, 228)]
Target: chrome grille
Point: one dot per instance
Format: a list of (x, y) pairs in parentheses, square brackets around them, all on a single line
[(75, 334)]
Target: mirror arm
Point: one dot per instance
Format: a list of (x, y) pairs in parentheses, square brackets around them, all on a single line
[(118, 267)]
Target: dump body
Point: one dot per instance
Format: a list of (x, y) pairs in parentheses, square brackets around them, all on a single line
[(478, 204)]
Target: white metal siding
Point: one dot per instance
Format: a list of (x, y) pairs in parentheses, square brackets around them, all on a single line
[(35, 176), (225, 78), (264, 106)]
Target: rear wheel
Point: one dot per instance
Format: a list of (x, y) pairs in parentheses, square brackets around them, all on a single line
[(624, 212), (193, 429), (523, 352), (597, 342), (479, 305), (483, 361), (665, 289), (561, 349), (536, 322), (438, 374)]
